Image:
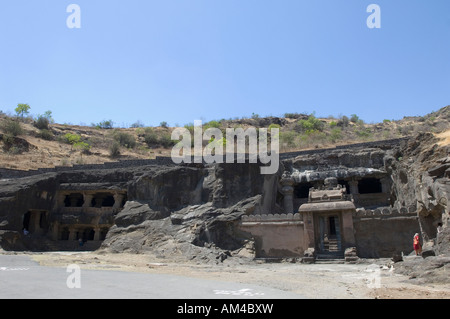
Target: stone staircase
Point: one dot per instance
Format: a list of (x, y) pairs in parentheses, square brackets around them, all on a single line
[(331, 251), (332, 245)]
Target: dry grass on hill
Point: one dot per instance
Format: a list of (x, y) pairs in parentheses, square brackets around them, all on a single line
[(32, 149)]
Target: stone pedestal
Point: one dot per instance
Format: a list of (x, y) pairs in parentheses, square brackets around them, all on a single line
[(309, 256), (351, 255)]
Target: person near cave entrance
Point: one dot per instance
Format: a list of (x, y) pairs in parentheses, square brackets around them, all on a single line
[(80, 243), (416, 244)]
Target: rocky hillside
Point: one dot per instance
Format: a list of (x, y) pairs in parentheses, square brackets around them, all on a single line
[(35, 143)]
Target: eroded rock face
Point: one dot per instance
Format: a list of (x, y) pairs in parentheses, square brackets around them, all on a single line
[(189, 212), (191, 209), (421, 179)]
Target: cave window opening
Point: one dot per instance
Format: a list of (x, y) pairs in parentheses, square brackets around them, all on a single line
[(369, 186), (94, 202), (67, 201), (74, 200), (88, 234), (65, 234), (302, 190), (108, 201), (26, 221)]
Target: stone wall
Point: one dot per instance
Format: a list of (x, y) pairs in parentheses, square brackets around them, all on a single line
[(275, 235), (384, 232), (379, 233)]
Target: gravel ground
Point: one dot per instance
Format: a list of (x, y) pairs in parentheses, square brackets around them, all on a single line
[(367, 279)]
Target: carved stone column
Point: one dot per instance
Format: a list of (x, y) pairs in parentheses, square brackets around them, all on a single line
[(309, 240), (55, 230), (60, 200), (348, 236), (72, 233), (87, 199), (287, 189), (353, 187), (118, 198), (97, 233)]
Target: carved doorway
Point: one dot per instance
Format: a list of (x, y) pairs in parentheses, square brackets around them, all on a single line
[(328, 235)]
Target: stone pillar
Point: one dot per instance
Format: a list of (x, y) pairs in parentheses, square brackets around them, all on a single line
[(87, 199), (72, 233), (353, 187), (287, 190), (348, 237), (309, 240), (118, 198), (55, 230), (60, 200), (97, 233), (34, 226)]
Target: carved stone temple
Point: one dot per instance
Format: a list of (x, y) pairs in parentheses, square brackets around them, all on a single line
[(334, 205), (349, 202)]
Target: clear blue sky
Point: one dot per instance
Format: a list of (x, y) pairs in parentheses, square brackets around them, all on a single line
[(182, 60)]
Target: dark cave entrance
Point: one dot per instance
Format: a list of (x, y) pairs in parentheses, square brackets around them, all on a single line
[(369, 186)]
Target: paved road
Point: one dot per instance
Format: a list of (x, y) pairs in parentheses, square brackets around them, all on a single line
[(21, 277)]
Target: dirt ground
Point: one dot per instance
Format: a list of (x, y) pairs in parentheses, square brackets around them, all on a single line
[(367, 279)]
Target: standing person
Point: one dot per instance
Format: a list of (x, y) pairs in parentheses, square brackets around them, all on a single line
[(80, 243), (417, 245)]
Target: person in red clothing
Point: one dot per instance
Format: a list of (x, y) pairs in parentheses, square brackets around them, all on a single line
[(417, 245)]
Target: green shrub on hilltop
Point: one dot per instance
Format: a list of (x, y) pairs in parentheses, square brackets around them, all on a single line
[(150, 137), (114, 149), (41, 123), (46, 134), (70, 138), (335, 134), (107, 124), (125, 139), (12, 127), (165, 140), (82, 146), (310, 125)]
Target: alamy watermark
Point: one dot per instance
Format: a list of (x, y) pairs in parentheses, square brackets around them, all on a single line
[(238, 144), (73, 21), (74, 279), (374, 19), (373, 279)]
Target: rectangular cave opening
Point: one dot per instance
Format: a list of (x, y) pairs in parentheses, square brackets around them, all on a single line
[(369, 186)]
